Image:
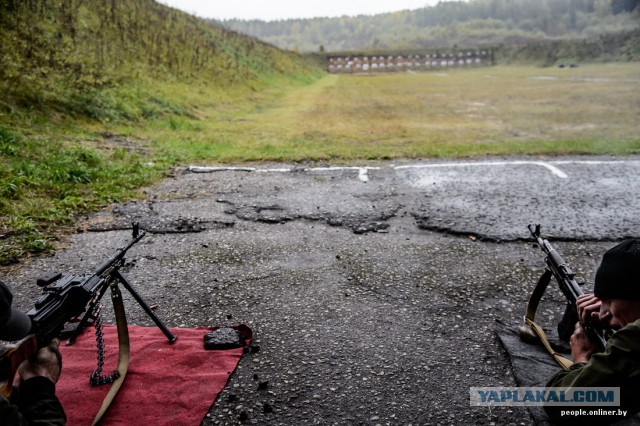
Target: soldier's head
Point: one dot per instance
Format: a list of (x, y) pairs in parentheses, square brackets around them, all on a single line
[(617, 284), (14, 325)]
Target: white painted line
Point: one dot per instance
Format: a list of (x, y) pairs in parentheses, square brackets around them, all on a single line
[(363, 172), (363, 175), (556, 171), (209, 169), (553, 169), (274, 170), (323, 169), (595, 162)]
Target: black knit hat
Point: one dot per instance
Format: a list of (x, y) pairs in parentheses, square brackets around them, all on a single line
[(14, 325), (618, 276)]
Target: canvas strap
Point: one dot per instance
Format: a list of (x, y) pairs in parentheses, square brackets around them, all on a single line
[(123, 351), (529, 320)]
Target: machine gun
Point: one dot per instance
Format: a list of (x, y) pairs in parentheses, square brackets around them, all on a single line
[(65, 297), (558, 268)]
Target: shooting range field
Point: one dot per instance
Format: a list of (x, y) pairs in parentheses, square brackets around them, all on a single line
[(501, 110), (335, 119)]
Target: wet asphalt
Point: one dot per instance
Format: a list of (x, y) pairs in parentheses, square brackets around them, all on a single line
[(372, 291)]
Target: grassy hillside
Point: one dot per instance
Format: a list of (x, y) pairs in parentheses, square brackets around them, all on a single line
[(85, 86), (104, 59)]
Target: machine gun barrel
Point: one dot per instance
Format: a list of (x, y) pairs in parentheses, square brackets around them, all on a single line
[(108, 264)]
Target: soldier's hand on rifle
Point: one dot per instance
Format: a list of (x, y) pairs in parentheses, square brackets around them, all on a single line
[(47, 362), (588, 307), (581, 346)]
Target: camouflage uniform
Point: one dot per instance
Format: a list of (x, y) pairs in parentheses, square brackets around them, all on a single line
[(36, 404), (617, 366)]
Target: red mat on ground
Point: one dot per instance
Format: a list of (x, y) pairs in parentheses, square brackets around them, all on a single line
[(167, 384)]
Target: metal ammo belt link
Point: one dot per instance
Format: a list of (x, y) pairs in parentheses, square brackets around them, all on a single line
[(97, 378)]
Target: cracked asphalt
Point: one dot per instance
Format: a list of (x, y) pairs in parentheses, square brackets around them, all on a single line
[(373, 291)]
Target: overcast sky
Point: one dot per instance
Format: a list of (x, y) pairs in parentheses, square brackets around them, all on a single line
[(269, 10)]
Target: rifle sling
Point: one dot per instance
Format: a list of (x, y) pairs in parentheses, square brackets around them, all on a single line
[(123, 351), (561, 360), (529, 319)]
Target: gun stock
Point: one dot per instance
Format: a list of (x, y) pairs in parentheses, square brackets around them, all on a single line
[(11, 356)]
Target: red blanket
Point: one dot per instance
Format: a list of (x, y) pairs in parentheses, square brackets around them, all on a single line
[(167, 384)]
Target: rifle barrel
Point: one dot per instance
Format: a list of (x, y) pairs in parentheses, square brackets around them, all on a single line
[(119, 254)]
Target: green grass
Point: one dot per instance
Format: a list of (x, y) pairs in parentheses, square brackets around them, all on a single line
[(456, 113), (45, 183), (56, 166)]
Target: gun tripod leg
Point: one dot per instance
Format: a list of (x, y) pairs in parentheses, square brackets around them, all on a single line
[(172, 337)]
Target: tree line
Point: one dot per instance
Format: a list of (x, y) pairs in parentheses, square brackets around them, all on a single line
[(449, 23)]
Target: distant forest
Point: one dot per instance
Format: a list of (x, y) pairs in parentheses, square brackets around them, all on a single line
[(449, 24)]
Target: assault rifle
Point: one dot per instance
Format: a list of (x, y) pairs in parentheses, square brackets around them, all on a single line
[(66, 297), (558, 268)]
